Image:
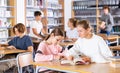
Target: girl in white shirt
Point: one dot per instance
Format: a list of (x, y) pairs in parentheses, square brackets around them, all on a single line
[(72, 33), (90, 45)]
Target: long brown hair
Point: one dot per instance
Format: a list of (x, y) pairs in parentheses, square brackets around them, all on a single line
[(55, 32)]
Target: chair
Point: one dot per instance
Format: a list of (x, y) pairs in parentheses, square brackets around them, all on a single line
[(109, 41), (24, 60)]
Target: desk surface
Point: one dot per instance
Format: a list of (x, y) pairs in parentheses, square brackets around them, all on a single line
[(36, 40), (66, 43), (61, 43), (91, 68), (115, 47), (10, 51), (112, 37)]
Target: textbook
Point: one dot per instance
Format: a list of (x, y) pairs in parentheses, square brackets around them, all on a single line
[(76, 61), (115, 58), (115, 64), (115, 61)]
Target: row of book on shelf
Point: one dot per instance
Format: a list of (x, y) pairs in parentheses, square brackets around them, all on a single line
[(93, 2), (3, 2), (50, 13), (5, 13), (3, 35), (43, 3)]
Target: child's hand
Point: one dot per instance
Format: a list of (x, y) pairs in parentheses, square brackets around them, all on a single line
[(70, 58), (57, 57), (86, 59), (2, 48), (11, 47)]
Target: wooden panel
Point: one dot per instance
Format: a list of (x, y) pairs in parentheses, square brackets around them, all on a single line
[(13, 13)]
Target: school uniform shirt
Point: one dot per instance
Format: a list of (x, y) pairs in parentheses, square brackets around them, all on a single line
[(21, 43), (72, 33), (95, 48), (38, 26), (47, 52)]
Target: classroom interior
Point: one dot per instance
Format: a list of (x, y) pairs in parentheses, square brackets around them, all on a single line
[(56, 14)]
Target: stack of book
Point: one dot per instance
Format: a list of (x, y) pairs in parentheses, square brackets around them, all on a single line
[(115, 61)]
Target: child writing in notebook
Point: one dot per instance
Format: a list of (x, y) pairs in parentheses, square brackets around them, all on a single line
[(49, 49)]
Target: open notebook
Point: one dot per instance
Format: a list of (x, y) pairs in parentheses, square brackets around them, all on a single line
[(76, 61)]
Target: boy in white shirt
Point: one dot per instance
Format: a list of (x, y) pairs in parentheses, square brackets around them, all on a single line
[(36, 27), (90, 45)]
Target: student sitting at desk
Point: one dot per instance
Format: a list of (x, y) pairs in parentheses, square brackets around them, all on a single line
[(72, 33), (20, 41), (49, 49), (90, 45)]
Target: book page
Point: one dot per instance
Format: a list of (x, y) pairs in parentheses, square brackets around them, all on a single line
[(76, 61)]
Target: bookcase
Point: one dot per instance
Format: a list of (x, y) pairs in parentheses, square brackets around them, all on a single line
[(7, 18), (92, 9), (52, 12)]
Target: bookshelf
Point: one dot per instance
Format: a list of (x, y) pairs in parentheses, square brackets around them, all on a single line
[(92, 10), (7, 18), (52, 10)]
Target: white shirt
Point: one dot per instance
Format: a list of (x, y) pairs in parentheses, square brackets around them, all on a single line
[(38, 26), (72, 33), (95, 48)]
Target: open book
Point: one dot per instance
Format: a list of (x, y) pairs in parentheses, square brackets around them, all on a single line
[(115, 58), (76, 61)]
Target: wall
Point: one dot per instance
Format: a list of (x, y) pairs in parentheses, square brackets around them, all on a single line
[(67, 11), (21, 11)]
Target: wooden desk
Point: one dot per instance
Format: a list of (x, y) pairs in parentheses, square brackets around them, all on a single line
[(115, 47), (112, 37), (64, 44), (3, 52), (59, 67), (91, 68), (36, 40), (11, 51)]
